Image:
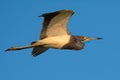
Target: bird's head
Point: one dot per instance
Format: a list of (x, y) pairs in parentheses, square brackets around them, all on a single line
[(85, 39)]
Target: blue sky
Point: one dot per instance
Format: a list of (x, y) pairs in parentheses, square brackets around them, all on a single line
[(100, 60)]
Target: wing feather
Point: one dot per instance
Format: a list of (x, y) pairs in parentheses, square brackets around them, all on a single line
[(55, 23)]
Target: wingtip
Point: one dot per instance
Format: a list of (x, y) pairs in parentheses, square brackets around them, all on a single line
[(67, 10), (63, 10), (40, 16), (34, 55)]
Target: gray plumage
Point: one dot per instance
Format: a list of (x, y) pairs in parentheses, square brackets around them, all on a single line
[(76, 43)]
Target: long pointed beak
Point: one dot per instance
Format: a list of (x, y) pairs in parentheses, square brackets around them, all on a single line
[(95, 38)]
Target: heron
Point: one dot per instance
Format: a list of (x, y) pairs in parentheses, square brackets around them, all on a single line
[(55, 34)]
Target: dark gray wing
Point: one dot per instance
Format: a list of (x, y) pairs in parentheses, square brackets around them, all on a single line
[(38, 50), (55, 23)]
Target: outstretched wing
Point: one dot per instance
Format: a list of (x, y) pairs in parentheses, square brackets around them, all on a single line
[(55, 23), (38, 50)]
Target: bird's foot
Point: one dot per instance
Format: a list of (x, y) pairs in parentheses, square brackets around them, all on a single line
[(12, 49)]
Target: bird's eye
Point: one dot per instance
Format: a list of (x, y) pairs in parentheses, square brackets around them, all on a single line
[(84, 37)]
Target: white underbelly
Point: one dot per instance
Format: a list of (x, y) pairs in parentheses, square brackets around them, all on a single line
[(55, 42)]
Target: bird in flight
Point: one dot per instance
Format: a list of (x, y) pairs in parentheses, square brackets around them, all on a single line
[(55, 34)]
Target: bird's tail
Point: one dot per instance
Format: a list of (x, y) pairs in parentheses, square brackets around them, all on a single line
[(19, 48)]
